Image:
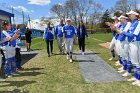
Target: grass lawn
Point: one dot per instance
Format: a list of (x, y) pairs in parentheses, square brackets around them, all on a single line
[(57, 75)]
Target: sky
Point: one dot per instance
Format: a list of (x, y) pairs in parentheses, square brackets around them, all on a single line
[(39, 8)]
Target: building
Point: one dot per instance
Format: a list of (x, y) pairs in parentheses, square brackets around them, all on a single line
[(36, 24), (5, 16)]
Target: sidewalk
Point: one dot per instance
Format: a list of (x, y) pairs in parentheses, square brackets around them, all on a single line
[(94, 69)]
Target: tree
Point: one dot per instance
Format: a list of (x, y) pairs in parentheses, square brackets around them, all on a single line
[(72, 8), (95, 17), (105, 18), (58, 9), (126, 5), (84, 6), (122, 5), (133, 4)]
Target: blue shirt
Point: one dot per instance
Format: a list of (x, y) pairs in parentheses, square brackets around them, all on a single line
[(13, 42), (122, 37), (69, 31), (115, 35), (49, 35), (133, 33), (59, 30)]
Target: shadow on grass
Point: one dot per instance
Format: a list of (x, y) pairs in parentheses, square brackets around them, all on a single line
[(83, 61), (17, 83), (33, 73), (86, 53), (32, 69), (27, 57), (14, 91)]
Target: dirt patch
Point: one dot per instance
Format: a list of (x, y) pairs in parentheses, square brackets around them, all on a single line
[(106, 45)]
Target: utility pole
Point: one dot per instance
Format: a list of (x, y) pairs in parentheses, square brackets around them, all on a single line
[(14, 15), (23, 16), (29, 21)]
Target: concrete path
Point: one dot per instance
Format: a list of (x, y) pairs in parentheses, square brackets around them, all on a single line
[(94, 69)]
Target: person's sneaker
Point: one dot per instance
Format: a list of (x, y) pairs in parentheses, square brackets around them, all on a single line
[(2, 79), (67, 56), (70, 60), (111, 58), (9, 76), (126, 74), (117, 62), (121, 71), (80, 52), (132, 79), (137, 82), (120, 68), (83, 53), (20, 69)]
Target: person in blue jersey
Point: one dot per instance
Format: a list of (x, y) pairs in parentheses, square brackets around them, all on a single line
[(81, 33), (126, 64), (59, 34), (9, 43), (114, 42), (49, 37), (133, 35), (69, 35)]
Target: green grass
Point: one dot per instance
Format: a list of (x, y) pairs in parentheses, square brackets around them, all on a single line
[(57, 75)]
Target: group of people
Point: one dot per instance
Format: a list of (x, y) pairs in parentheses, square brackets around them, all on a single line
[(66, 36), (126, 40), (10, 47)]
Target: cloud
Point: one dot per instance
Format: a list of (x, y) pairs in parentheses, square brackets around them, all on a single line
[(39, 2), (22, 8)]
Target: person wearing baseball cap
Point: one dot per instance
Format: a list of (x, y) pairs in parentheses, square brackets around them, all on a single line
[(69, 34), (126, 64), (133, 35)]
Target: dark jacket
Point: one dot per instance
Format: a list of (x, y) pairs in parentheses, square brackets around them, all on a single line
[(82, 33)]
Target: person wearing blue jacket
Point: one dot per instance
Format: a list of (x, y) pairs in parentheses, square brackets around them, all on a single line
[(59, 34), (81, 33), (133, 35), (9, 42), (69, 35), (49, 37)]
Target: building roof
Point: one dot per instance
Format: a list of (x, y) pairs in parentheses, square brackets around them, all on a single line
[(6, 13)]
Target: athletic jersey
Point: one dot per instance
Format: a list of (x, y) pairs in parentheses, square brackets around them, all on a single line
[(134, 31), (69, 31), (124, 27), (6, 34), (59, 30), (49, 35)]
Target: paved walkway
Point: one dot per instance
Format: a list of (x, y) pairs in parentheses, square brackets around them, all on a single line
[(94, 69)]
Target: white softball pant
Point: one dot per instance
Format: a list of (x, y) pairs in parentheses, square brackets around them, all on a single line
[(9, 52), (69, 44), (124, 50), (118, 47), (134, 52), (112, 44)]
